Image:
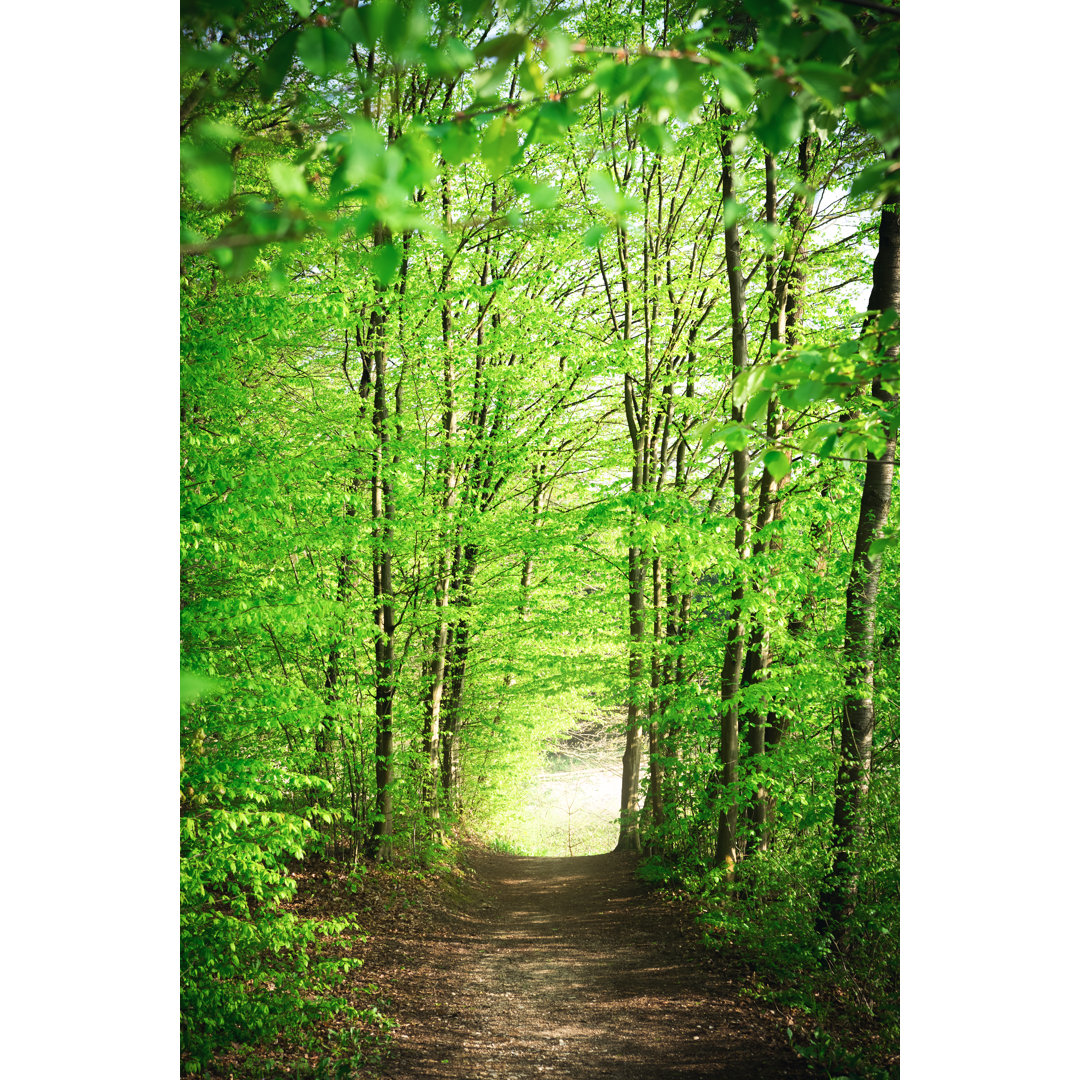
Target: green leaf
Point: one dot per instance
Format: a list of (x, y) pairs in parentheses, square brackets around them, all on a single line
[(769, 10), (506, 47), (825, 81), (363, 152), (733, 212), (886, 542), (406, 28), (594, 235), (782, 127), (605, 190), (499, 145), (835, 20), (767, 232), (287, 178), (733, 436), (657, 138), (541, 196), (279, 59), (323, 50), (814, 442), (385, 262), (544, 197), (487, 80), (457, 143), (804, 392), (690, 96), (877, 176), (365, 25), (533, 80), (750, 382), (220, 132), (212, 59), (301, 7), (757, 407), (352, 26), (450, 60), (207, 170), (879, 113), (194, 686), (776, 461), (552, 122), (557, 52), (736, 87), (418, 155)]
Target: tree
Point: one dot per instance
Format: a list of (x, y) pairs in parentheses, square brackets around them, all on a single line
[(857, 731)]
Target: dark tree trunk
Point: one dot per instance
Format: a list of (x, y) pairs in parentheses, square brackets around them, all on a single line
[(785, 287), (382, 517), (656, 765), (629, 831), (637, 420), (840, 889), (466, 560), (437, 667), (731, 674)]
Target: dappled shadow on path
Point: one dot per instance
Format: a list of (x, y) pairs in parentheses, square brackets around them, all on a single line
[(571, 968)]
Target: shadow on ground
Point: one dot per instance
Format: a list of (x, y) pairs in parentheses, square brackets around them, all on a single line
[(571, 968)]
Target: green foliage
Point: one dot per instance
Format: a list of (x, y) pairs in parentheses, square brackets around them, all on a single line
[(383, 201), (806, 74), (248, 968)]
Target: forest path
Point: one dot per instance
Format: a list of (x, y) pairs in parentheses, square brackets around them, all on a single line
[(572, 968)]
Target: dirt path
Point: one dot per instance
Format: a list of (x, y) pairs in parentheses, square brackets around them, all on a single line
[(571, 968)]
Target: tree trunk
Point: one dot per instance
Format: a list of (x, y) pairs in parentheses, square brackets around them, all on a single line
[(466, 560), (629, 828), (785, 283), (382, 517), (731, 674), (637, 421), (656, 765), (840, 889), (437, 668), (629, 831)]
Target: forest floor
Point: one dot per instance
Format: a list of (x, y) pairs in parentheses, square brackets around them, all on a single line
[(548, 968), (573, 968)]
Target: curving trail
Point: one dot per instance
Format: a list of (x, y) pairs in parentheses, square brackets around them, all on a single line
[(570, 968)]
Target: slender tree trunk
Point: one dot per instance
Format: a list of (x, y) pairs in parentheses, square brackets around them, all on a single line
[(433, 704), (382, 517), (678, 605), (324, 738), (527, 566), (637, 420), (437, 668), (656, 765), (784, 281), (731, 673), (466, 558), (451, 731), (629, 827), (629, 831), (840, 889)]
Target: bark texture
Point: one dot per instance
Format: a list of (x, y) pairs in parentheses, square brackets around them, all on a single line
[(840, 889), (731, 673)]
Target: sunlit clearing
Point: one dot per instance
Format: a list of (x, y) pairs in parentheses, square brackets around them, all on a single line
[(571, 805)]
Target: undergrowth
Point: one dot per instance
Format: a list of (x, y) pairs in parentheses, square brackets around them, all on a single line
[(307, 1009), (842, 1009)]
